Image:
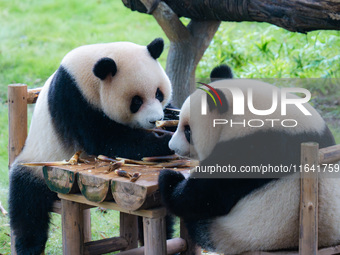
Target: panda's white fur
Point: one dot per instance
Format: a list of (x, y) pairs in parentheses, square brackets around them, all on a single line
[(88, 104), (268, 219), (223, 214)]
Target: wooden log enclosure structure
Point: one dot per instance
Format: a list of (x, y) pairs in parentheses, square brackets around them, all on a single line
[(188, 43), (141, 198)]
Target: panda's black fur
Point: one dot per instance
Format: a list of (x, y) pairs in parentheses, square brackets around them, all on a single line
[(76, 124), (200, 201)]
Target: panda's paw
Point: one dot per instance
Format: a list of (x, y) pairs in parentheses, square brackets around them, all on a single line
[(168, 180)]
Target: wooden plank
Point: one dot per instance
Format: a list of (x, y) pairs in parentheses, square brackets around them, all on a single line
[(32, 95), (62, 179), (129, 230), (329, 154), (154, 236), (105, 246), (72, 228), (150, 213), (308, 239), (192, 248), (17, 128), (174, 246)]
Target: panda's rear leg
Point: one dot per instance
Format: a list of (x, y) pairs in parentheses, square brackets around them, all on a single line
[(30, 202)]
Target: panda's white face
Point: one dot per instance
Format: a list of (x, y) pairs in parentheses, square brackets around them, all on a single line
[(180, 141), (127, 83)]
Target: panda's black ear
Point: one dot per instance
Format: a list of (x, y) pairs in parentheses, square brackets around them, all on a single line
[(221, 72), (104, 67), (222, 106), (156, 47)]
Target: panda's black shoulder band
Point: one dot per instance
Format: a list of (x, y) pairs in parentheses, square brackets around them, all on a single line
[(104, 67), (156, 47)]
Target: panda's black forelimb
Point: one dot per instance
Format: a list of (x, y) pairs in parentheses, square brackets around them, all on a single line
[(30, 202)]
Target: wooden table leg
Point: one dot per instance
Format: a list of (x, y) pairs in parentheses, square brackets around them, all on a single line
[(73, 228), (192, 248), (129, 229), (154, 236), (87, 225)]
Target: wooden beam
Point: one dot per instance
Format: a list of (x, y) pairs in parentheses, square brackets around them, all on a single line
[(32, 95), (105, 246), (329, 154), (308, 239), (150, 213), (174, 246)]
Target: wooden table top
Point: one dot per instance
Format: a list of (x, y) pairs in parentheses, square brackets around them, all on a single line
[(96, 184)]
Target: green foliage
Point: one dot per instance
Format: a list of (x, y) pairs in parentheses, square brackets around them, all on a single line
[(35, 35), (256, 50)]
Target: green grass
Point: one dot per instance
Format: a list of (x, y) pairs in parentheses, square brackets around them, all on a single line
[(35, 35)]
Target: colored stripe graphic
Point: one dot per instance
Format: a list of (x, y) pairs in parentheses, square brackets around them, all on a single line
[(209, 94), (213, 90)]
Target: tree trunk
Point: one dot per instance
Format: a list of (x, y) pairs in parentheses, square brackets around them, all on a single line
[(296, 15), (187, 46)]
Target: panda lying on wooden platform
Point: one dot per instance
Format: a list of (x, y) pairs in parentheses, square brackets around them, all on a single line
[(100, 100), (232, 216)]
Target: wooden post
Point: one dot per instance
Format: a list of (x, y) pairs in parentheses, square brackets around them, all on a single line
[(308, 239), (73, 228), (17, 119), (192, 248), (17, 128), (87, 225), (129, 229), (154, 236)]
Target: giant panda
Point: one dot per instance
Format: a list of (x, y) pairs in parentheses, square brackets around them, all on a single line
[(236, 215), (101, 100)]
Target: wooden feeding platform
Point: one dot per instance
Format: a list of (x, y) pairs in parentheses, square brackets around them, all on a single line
[(97, 183)]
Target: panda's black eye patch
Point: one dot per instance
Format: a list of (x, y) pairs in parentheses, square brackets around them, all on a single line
[(159, 95), (136, 103), (187, 133)]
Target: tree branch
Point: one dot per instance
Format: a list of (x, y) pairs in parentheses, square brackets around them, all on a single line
[(295, 15)]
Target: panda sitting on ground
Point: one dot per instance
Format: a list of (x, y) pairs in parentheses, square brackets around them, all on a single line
[(100, 100), (232, 216)]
